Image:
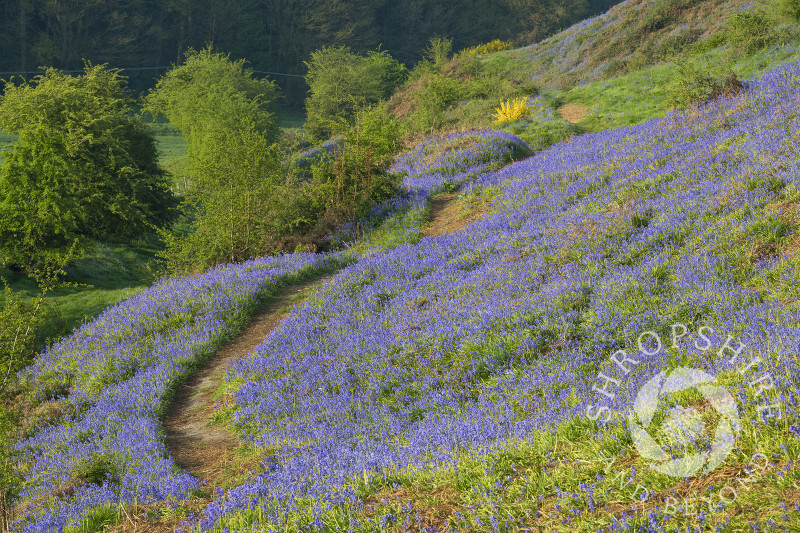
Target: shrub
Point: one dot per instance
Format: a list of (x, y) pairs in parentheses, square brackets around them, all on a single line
[(83, 166), (433, 98), (512, 110), (749, 29), (493, 46), (690, 85), (239, 197), (237, 173), (347, 182), (790, 8), (438, 50), (341, 81), (208, 93)]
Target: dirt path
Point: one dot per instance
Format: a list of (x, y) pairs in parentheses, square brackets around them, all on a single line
[(573, 112), (447, 216), (207, 450)]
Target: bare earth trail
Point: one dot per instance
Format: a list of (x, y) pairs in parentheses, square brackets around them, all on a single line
[(207, 450), (447, 216), (573, 113)]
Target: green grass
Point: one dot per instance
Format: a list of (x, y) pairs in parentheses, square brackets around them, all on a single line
[(291, 119), (644, 94), (107, 274)]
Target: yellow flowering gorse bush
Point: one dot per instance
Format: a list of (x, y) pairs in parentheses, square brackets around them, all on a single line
[(512, 110)]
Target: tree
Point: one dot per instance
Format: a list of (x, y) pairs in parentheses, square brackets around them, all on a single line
[(209, 93), (83, 166), (340, 81), (239, 198), (224, 114)]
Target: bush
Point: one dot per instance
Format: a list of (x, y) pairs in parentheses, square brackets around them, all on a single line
[(238, 175), (692, 86), (209, 93), (434, 97), (493, 46), (438, 50), (239, 197), (340, 81), (83, 166), (512, 110), (749, 29), (347, 182), (790, 8)]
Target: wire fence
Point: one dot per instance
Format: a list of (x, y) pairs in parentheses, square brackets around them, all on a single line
[(131, 69)]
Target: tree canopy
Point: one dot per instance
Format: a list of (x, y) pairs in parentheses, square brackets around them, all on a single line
[(340, 81), (275, 35), (83, 166), (224, 113)]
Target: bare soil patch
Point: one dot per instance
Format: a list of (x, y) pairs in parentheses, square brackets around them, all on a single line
[(447, 216), (573, 112)]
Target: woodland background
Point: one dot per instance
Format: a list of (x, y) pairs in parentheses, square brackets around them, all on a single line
[(145, 37)]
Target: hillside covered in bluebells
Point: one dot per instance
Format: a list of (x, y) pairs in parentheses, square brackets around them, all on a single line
[(473, 381)]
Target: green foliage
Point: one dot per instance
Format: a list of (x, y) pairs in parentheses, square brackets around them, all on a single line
[(705, 45), (346, 184), (236, 174), (493, 46), (209, 93), (9, 481), (83, 166), (239, 199), (438, 50), (20, 319), (693, 85), (749, 29), (790, 8), (690, 86), (340, 81), (436, 94), (95, 521)]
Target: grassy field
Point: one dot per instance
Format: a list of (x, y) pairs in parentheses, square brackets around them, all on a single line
[(645, 94)]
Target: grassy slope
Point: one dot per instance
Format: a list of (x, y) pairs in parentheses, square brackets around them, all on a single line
[(630, 98), (622, 65)]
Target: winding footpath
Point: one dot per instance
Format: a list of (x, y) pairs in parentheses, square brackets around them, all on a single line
[(202, 447), (206, 448)]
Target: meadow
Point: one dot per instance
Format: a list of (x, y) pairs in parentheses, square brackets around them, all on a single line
[(455, 383)]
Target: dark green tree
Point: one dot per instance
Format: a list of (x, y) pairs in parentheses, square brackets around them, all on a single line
[(83, 166)]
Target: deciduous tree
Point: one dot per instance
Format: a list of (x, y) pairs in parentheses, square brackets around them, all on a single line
[(83, 166)]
